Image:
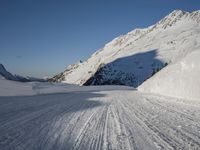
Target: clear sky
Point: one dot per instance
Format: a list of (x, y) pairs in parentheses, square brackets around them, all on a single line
[(41, 37)]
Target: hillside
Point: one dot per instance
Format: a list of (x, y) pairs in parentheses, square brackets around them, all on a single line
[(5, 74), (9, 76), (133, 58)]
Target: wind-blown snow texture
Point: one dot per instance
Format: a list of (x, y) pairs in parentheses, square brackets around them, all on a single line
[(132, 58), (118, 119)]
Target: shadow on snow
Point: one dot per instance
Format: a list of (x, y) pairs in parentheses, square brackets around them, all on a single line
[(131, 70), (38, 122)]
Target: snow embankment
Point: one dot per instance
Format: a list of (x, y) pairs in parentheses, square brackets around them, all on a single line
[(180, 79)]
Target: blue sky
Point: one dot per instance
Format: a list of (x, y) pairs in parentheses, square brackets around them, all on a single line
[(41, 37)]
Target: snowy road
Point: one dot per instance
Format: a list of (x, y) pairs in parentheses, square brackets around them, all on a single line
[(115, 120)]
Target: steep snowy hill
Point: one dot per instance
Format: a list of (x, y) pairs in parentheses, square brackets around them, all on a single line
[(180, 79), (132, 58)]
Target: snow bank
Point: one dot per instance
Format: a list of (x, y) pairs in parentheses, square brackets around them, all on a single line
[(180, 79)]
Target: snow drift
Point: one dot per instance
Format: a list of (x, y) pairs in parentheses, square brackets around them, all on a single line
[(180, 79)]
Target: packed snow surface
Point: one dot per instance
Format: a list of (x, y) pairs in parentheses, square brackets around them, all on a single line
[(96, 118), (13, 88), (180, 79)]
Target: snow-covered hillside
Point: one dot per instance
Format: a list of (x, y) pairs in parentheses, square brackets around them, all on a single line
[(132, 58), (181, 79)]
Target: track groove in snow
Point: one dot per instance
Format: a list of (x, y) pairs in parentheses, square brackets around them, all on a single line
[(99, 120)]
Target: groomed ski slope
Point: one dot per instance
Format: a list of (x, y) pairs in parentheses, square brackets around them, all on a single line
[(104, 119)]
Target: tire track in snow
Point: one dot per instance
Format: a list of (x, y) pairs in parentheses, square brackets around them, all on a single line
[(159, 126), (119, 120)]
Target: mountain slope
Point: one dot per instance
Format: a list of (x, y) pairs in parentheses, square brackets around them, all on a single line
[(7, 75), (132, 58)]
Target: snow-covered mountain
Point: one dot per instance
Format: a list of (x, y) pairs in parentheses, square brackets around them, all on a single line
[(133, 58), (7, 75)]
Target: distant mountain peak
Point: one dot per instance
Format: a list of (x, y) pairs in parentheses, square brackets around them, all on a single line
[(172, 18), (2, 67), (178, 11), (7, 75)]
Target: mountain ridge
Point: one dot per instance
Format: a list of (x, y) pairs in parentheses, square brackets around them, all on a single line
[(172, 37), (4, 73), (9, 76)]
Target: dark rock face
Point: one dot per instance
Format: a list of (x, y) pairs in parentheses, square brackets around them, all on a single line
[(58, 78), (104, 76), (6, 74), (130, 71)]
